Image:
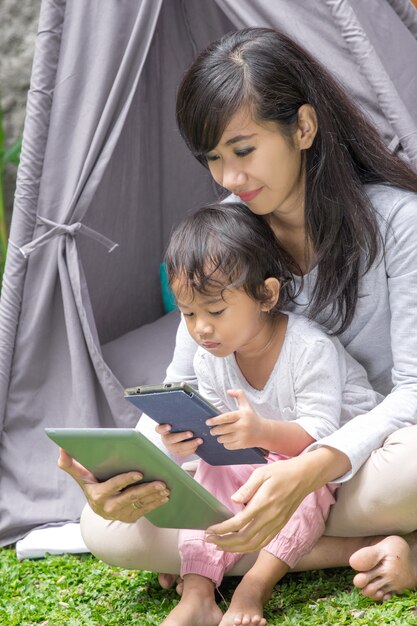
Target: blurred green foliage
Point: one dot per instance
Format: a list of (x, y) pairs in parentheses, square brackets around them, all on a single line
[(7, 155)]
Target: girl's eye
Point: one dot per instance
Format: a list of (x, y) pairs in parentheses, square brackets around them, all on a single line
[(187, 314), (244, 152), (212, 157), (216, 313)]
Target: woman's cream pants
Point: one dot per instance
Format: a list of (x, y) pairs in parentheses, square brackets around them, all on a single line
[(380, 499)]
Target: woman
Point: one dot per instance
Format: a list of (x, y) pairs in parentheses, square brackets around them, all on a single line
[(277, 131)]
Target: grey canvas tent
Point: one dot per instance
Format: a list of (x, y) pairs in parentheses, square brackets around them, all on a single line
[(103, 164)]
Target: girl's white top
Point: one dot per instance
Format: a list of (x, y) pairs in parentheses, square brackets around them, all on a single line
[(315, 382)]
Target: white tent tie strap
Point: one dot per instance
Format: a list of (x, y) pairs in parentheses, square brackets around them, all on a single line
[(63, 229)]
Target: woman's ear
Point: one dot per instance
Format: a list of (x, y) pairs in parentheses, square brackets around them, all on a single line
[(271, 290), (307, 126)]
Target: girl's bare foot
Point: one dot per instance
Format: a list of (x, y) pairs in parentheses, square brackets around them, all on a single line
[(197, 606), (169, 580), (246, 607), (387, 567), (194, 612)]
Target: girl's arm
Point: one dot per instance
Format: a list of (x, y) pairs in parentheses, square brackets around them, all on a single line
[(243, 428), (303, 404), (286, 438)]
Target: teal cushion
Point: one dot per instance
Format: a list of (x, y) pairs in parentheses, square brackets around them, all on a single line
[(168, 299)]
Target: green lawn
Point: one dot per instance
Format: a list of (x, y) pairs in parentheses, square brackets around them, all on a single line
[(81, 591)]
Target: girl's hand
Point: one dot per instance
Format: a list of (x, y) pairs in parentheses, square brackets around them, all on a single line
[(181, 444), (273, 493), (238, 429), (117, 498)]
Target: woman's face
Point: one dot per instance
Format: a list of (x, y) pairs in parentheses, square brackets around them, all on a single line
[(256, 162)]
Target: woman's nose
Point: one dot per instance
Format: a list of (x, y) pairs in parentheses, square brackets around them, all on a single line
[(233, 177)]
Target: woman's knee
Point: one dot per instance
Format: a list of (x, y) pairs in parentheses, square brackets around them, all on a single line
[(102, 537), (393, 467), (382, 497), (139, 545)]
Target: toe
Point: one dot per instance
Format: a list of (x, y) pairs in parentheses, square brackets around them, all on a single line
[(365, 558), (373, 589), (361, 580), (166, 580), (379, 595)]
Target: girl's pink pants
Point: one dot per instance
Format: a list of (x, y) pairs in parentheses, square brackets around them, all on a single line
[(294, 540)]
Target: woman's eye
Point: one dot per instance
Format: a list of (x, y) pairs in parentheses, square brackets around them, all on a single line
[(217, 313), (187, 314), (244, 152), (212, 157)]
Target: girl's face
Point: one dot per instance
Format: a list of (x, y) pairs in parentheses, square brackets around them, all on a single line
[(254, 161), (223, 324)]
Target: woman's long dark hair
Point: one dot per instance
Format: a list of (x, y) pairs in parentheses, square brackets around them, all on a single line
[(224, 245), (263, 69)]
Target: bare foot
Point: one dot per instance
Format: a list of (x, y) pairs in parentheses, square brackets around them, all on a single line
[(246, 607), (194, 612), (197, 606), (387, 567), (169, 580)]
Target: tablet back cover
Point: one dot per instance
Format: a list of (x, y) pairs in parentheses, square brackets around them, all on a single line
[(108, 452)]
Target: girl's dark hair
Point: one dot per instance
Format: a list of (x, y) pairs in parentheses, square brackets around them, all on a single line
[(224, 246), (266, 71)]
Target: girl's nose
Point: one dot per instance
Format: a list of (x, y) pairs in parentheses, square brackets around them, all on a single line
[(203, 327)]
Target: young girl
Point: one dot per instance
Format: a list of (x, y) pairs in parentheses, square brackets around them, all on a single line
[(280, 382)]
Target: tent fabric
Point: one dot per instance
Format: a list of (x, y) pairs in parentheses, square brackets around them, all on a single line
[(359, 42), (104, 176), (407, 14)]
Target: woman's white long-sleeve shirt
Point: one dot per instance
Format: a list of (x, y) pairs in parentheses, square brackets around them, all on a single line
[(382, 335)]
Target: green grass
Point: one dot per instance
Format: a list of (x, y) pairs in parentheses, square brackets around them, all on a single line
[(81, 591)]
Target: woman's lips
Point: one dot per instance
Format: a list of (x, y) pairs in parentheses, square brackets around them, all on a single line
[(209, 345), (247, 196)]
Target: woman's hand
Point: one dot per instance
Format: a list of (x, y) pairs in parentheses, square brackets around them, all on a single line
[(180, 444), (117, 498), (273, 493)]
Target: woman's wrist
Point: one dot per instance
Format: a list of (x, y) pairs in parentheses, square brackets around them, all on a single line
[(323, 465)]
